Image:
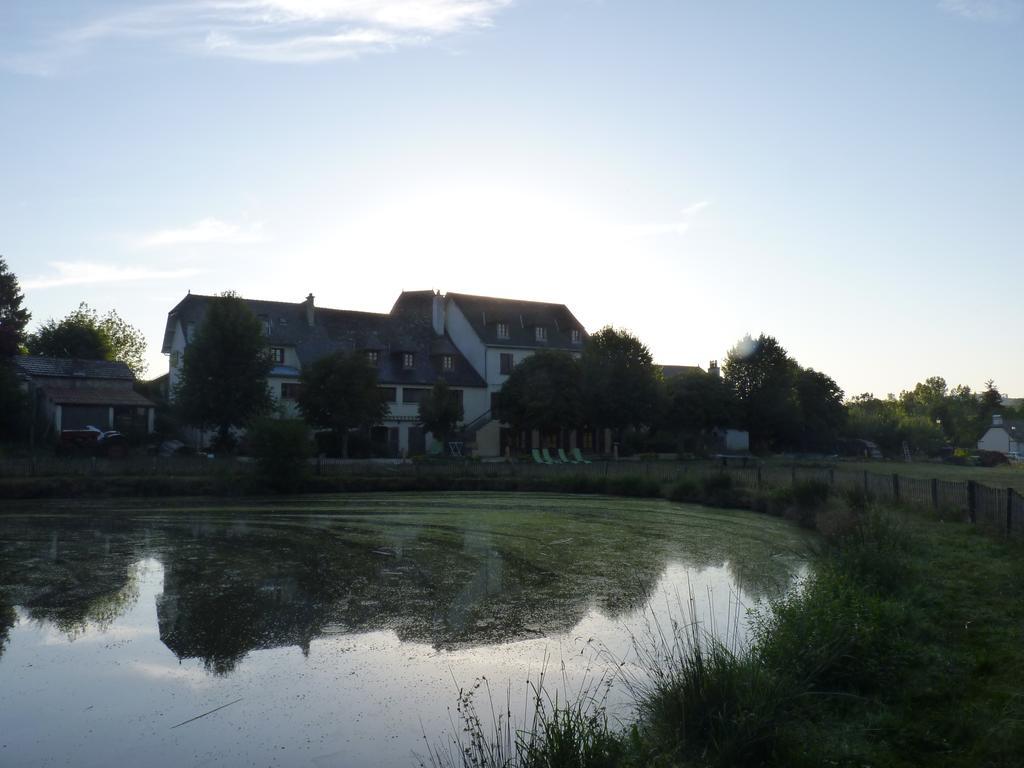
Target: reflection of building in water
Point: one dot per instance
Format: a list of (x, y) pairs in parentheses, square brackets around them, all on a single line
[(233, 585), (79, 573)]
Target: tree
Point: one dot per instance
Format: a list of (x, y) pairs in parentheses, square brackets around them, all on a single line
[(84, 335), (887, 424), (621, 384), (822, 414), (224, 370), (697, 402), (927, 398), (440, 411), (14, 411), (339, 392), (543, 392), (13, 317), (763, 375)]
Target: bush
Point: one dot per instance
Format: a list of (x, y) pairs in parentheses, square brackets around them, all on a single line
[(685, 490), (716, 484), (702, 704), (834, 635), (281, 448), (633, 485)]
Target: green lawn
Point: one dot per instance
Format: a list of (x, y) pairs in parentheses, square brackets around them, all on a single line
[(996, 477)]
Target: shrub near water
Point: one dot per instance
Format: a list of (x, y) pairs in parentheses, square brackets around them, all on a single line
[(281, 448), (703, 704)]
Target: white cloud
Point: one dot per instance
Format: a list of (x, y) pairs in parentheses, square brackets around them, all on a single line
[(984, 10), (677, 227), (85, 273), (272, 30), (205, 232)]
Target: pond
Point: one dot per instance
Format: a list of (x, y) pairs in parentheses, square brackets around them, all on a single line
[(336, 631)]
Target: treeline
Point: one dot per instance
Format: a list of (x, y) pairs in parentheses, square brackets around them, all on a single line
[(83, 334), (928, 417), (613, 384), (616, 384)]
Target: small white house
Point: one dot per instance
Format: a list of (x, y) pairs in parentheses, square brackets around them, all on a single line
[(1003, 436), (731, 440)]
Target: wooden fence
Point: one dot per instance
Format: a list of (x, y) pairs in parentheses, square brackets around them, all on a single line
[(1000, 509)]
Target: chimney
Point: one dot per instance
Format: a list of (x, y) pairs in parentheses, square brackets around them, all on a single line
[(310, 310), (714, 370), (997, 419), (437, 313)]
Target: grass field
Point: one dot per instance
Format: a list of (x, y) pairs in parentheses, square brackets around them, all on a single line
[(996, 477)]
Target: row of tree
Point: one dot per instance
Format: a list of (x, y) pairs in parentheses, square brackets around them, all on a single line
[(613, 384), (928, 417)]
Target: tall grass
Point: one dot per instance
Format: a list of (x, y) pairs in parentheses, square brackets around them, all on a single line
[(574, 733), (701, 699)]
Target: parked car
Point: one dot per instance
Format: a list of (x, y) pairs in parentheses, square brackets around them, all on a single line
[(94, 441), (1015, 458)]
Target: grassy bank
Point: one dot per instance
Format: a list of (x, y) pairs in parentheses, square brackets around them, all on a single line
[(903, 649)]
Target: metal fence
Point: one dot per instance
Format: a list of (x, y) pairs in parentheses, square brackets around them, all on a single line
[(1000, 509)]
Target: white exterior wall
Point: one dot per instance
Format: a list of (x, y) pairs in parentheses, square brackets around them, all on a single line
[(177, 351), (737, 440), (465, 339), (476, 401), (996, 439)]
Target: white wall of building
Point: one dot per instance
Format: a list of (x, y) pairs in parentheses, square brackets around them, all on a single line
[(465, 338)]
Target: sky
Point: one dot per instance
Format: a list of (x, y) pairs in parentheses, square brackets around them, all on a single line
[(847, 177)]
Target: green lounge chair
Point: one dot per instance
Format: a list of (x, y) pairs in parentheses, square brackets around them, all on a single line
[(536, 457), (579, 456), (546, 455), (565, 459)]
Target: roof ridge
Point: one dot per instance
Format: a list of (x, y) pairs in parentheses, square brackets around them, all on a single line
[(500, 298)]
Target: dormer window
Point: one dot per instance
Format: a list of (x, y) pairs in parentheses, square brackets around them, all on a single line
[(190, 330), (408, 360), (447, 362), (502, 330), (265, 323), (372, 356), (540, 333), (577, 337)]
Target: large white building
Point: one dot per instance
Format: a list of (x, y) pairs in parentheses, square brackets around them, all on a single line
[(471, 342)]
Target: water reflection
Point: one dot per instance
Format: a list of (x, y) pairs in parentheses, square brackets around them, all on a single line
[(477, 576), (352, 606)]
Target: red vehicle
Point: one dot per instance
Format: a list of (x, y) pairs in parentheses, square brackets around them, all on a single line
[(94, 440)]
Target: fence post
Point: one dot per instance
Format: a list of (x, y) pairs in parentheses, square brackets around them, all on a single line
[(792, 473), (759, 478), (1009, 510), (972, 510), (935, 493), (832, 476), (895, 487), (865, 482)]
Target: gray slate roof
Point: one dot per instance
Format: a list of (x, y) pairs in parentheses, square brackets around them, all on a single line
[(407, 328), (39, 366), (522, 317), (671, 371), (97, 396)]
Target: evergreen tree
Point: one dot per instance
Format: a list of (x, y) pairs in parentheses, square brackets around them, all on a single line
[(224, 370), (543, 392), (621, 383), (13, 316), (340, 393), (440, 412)]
